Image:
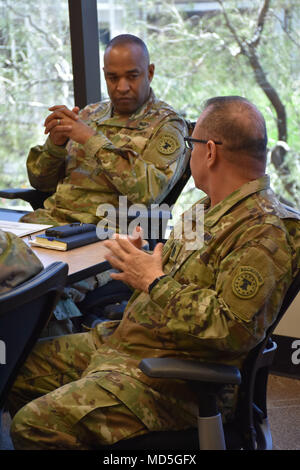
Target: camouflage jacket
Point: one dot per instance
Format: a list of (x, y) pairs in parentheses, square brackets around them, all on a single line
[(17, 262), (214, 304), (139, 157)]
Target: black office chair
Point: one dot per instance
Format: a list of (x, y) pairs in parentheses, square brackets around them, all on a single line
[(24, 312), (249, 428), (35, 197)]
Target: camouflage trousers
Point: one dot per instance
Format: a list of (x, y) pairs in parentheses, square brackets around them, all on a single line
[(60, 409)]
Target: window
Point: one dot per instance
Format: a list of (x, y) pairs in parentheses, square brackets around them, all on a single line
[(35, 73), (200, 49), (233, 47)]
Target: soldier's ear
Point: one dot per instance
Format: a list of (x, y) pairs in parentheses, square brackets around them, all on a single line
[(151, 70), (211, 153)]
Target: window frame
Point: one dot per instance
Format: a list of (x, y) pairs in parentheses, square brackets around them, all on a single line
[(84, 36)]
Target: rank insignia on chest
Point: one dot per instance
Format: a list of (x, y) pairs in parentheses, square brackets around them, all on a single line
[(246, 282), (175, 252), (167, 144)]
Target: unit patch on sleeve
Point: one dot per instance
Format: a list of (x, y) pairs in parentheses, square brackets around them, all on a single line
[(246, 282), (167, 144)]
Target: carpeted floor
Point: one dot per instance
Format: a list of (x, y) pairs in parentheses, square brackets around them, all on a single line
[(283, 411)]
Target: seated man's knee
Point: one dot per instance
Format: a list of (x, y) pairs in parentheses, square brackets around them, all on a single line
[(24, 428), (40, 425)]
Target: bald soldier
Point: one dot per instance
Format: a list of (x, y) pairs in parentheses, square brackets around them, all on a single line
[(131, 145), (212, 303)]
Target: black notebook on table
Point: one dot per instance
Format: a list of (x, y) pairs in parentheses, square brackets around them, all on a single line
[(67, 237)]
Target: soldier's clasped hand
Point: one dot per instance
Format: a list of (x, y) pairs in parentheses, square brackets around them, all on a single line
[(64, 124)]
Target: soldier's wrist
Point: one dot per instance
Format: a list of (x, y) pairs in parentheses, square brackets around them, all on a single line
[(156, 281), (54, 149), (164, 290), (94, 144)]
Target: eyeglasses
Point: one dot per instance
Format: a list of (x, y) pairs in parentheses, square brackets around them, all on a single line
[(189, 142)]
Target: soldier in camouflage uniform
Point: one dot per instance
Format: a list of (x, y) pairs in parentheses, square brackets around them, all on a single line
[(213, 303), (131, 145), (17, 262)]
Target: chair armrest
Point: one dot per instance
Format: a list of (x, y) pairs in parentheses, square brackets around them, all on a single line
[(33, 196), (195, 371), (205, 378), (17, 193)]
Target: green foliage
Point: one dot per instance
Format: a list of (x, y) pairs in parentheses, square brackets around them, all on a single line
[(35, 73), (197, 56)]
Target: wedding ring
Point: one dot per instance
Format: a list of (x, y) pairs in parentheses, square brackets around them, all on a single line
[(58, 122)]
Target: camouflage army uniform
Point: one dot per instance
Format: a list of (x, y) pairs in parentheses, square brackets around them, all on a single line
[(17, 262), (138, 157), (214, 305)]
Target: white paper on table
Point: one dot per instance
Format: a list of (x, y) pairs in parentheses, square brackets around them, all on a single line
[(21, 228)]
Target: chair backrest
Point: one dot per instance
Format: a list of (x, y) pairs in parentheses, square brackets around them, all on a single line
[(164, 214), (168, 198), (252, 401), (24, 312), (175, 192)]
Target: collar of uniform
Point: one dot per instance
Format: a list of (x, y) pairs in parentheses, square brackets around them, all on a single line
[(147, 106), (213, 215), (132, 122)]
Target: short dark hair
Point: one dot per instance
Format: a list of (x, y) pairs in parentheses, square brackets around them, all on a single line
[(129, 39), (238, 124)]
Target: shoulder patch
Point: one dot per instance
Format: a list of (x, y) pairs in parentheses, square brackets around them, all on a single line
[(246, 282), (167, 144)]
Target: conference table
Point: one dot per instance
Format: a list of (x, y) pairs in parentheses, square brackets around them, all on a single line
[(83, 262)]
